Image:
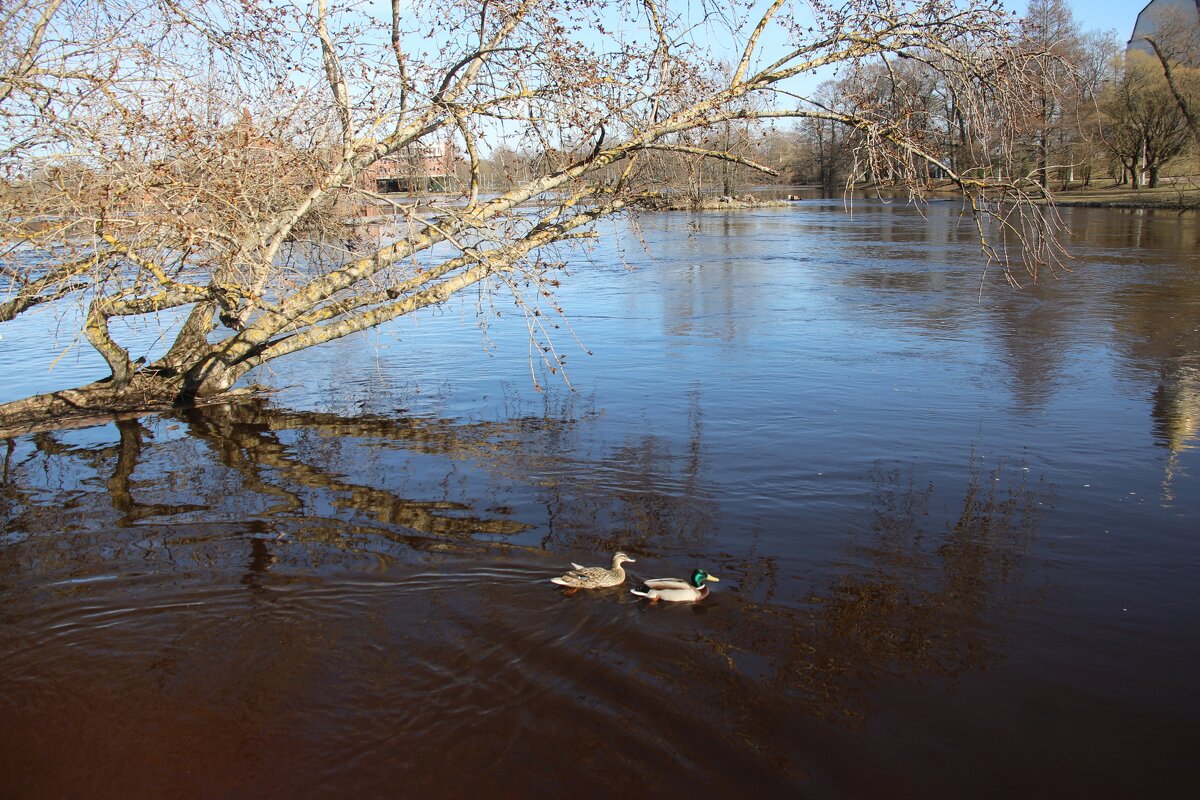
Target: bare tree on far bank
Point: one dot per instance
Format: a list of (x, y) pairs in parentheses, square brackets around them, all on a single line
[(1144, 126), (1094, 108), (190, 156), (1176, 46)]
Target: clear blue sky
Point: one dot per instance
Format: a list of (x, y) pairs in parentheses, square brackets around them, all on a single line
[(1099, 15)]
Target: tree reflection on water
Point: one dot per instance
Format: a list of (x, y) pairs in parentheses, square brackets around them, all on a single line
[(907, 597), (910, 601), (248, 462)]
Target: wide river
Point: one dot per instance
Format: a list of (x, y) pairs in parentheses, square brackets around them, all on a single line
[(957, 527)]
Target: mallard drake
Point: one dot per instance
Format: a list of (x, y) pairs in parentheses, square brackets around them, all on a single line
[(581, 577), (677, 590)]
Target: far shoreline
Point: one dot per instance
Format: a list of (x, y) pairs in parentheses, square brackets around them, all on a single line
[(1175, 194), (1174, 198)]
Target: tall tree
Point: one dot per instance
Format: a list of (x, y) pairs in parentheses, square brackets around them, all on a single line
[(1144, 127), (1095, 71), (1176, 45), (186, 155), (1050, 28)]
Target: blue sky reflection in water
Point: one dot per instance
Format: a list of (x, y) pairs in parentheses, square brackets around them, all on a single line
[(956, 536)]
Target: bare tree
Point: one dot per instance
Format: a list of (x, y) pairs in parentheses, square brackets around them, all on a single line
[(182, 155), (1095, 73), (1144, 127), (1176, 45), (829, 158), (1050, 28)]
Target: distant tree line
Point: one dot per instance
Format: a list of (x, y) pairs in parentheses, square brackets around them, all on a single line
[(1098, 111)]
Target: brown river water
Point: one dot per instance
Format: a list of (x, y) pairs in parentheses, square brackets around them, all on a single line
[(957, 527)]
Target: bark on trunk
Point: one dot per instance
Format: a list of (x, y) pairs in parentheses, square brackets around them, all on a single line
[(95, 400), (147, 392)]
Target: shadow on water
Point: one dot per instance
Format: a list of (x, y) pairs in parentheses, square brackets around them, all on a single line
[(250, 601)]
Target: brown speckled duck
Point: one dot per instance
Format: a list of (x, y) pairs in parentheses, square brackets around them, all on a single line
[(595, 577)]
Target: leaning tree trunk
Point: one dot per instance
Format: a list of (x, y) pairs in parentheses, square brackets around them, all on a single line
[(101, 399), (171, 382)]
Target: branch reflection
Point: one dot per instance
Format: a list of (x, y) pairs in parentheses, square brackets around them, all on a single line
[(910, 601), (292, 510), (417, 481)]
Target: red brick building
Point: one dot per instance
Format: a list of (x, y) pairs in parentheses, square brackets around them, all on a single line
[(422, 168)]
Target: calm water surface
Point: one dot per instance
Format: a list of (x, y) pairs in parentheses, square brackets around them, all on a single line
[(958, 534)]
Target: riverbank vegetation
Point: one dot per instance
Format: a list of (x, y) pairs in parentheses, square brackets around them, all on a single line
[(1104, 124), (196, 160)]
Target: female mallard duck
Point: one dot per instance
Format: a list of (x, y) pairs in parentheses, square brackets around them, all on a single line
[(677, 590), (595, 577)]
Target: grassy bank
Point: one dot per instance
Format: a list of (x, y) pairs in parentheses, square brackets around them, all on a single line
[(1171, 193)]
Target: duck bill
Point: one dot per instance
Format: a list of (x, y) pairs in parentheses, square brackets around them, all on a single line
[(712, 578)]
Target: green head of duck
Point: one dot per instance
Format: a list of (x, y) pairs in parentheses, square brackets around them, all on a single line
[(700, 576)]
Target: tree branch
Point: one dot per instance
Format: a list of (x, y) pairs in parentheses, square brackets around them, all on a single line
[(717, 155)]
